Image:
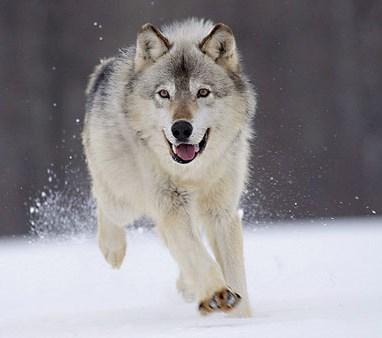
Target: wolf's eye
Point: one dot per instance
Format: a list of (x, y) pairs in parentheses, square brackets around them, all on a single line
[(203, 92), (164, 94)]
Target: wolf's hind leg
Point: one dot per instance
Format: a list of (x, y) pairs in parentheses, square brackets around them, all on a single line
[(185, 288), (111, 240)]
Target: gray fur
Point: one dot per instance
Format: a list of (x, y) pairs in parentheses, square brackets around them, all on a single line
[(128, 142)]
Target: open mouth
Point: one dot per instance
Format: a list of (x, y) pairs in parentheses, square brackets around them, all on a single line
[(185, 152)]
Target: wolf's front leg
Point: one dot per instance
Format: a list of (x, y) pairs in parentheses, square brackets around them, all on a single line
[(224, 232), (111, 240), (196, 264)]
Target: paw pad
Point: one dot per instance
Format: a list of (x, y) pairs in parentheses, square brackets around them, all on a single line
[(224, 300)]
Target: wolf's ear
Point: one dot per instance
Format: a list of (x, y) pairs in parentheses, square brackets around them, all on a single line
[(220, 45), (151, 44)]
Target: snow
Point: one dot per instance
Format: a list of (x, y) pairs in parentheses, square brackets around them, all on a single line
[(304, 281)]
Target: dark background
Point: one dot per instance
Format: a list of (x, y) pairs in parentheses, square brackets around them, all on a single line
[(317, 67)]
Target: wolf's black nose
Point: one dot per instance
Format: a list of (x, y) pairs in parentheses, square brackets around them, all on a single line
[(181, 130)]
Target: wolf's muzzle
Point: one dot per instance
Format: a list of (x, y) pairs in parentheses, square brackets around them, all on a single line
[(186, 152)]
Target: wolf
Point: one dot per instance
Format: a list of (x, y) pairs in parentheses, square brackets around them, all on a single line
[(166, 135)]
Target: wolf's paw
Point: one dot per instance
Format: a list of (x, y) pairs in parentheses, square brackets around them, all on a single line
[(224, 300), (184, 289), (114, 253)]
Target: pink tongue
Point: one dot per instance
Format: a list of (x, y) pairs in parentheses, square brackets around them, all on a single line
[(186, 151)]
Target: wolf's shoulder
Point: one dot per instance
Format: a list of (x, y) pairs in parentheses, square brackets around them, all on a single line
[(100, 75), (107, 75)]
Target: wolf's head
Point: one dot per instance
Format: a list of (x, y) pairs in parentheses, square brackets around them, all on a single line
[(189, 100)]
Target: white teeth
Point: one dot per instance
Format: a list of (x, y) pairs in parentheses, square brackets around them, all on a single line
[(196, 148), (174, 149)]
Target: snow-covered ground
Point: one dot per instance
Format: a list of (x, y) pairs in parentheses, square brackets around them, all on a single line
[(304, 281)]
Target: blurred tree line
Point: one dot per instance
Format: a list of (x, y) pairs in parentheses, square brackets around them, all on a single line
[(316, 66)]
